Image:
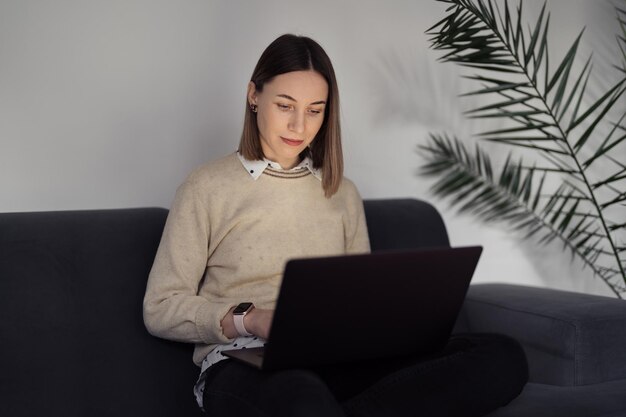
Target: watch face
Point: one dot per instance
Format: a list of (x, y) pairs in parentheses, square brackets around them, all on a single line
[(242, 308)]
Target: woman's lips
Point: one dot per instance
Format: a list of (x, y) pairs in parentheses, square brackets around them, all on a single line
[(292, 142)]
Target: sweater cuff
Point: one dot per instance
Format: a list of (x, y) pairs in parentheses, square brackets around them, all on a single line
[(208, 322)]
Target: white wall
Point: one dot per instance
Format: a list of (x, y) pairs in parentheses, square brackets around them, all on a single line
[(109, 104)]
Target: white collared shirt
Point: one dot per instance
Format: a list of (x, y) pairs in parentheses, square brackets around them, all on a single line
[(256, 168)]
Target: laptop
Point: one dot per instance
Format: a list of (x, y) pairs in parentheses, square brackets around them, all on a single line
[(351, 308)]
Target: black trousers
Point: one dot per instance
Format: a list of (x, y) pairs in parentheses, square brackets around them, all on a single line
[(473, 375)]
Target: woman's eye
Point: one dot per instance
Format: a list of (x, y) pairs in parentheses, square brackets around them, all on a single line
[(315, 111), (284, 106)]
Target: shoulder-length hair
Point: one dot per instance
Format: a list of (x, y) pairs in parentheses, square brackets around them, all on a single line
[(298, 53)]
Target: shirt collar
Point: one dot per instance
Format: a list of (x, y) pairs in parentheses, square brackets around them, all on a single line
[(256, 168)]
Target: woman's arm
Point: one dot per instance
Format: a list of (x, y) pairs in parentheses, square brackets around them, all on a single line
[(357, 238), (172, 309)]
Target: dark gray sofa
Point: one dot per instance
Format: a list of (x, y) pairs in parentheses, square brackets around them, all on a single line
[(73, 343)]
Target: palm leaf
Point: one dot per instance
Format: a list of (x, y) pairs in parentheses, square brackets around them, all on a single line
[(547, 114), (513, 195)]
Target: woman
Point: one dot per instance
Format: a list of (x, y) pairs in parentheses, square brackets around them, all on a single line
[(237, 220)]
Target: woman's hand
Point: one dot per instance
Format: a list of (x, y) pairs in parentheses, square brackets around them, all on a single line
[(258, 322)]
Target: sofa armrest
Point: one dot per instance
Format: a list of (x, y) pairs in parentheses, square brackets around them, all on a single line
[(569, 338)]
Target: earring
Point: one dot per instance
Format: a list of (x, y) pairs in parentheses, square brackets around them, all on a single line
[(254, 108)]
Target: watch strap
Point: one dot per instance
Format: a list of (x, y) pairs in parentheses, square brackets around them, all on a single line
[(238, 319)]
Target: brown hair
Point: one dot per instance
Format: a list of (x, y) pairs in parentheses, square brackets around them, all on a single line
[(298, 53)]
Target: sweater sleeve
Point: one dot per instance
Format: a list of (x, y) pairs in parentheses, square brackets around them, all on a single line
[(171, 307), (357, 238)]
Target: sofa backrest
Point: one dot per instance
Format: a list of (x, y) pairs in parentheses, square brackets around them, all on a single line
[(72, 338), (404, 224)]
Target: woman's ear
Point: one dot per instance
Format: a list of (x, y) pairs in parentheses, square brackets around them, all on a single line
[(251, 93)]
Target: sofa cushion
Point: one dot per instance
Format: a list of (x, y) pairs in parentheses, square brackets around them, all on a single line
[(569, 338), (539, 400)]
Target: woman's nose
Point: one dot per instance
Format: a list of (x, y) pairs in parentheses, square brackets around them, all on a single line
[(296, 122)]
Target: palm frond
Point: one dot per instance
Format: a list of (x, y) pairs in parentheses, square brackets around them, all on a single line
[(514, 196), (606, 146), (548, 114)]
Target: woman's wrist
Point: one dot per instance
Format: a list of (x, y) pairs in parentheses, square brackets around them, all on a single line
[(228, 323), (239, 314), (249, 321), (257, 322)]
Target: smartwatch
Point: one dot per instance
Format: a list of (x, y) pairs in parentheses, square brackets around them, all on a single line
[(238, 314)]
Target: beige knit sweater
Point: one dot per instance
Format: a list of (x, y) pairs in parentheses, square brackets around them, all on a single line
[(227, 239)]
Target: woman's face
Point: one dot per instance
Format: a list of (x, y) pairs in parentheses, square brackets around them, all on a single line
[(290, 113)]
